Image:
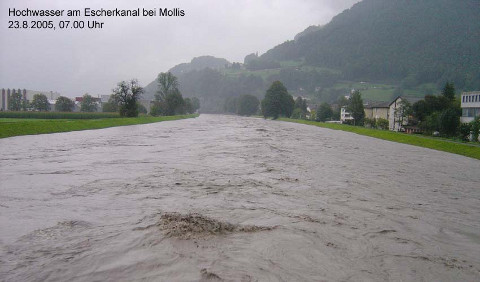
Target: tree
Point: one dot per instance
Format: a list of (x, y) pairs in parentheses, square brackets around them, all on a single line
[(475, 126), (287, 105), (431, 123), (195, 104), (40, 102), (313, 115), (157, 108), (464, 131), (15, 102), (277, 101), (402, 112), (341, 102), (64, 104), (25, 104), (141, 108), (88, 104), (440, 113), (355, 107), (167, 83), (127, 94), (188, 106), (112, 105), (247, 105), (297, 114), (420, 110), (168, 99), (449, 91), (324, 112), (300, 104), (174, 103), (230, 105), (449, 122)]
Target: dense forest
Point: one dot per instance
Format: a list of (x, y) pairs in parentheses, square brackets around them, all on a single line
[(411, 46)]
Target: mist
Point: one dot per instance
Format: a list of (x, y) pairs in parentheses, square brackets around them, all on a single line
[(78, 61)]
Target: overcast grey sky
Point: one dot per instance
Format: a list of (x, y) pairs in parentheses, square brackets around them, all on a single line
[(74, 62)]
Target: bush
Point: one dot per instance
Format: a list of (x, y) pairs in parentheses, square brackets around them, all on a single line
[(382, 123), (369, 122), (475, 127), (141, 108), (157, 109), (247, 105), (449, 122), (464, 131), (297, 114)]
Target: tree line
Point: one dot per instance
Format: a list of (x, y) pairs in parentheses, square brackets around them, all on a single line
[(125, 100), (168, 99), (40, 103), (432, 115)]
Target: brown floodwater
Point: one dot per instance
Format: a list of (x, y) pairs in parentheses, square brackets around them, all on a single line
[(226, 198)]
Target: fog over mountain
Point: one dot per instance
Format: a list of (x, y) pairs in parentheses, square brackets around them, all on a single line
[(74, 62), (413, 46)]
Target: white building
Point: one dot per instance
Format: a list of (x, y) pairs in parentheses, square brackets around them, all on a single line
[(470, 103), (345, 115), (51, 95), (396, 118), (104, 98)]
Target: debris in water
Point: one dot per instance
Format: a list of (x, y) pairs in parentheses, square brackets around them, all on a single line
[(195, 225), (209, 276)]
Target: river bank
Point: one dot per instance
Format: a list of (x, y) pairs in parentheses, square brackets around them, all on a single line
[(17, 127), (464, 149)]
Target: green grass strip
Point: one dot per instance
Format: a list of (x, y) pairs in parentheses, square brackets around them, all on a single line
[(464, 149), (58, 115), (41, 126)]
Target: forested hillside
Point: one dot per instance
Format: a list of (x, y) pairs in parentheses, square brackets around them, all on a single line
[(383, 48), (413, 42), (213, 86)]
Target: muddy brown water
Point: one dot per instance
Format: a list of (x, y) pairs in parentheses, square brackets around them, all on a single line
[(224, 198)]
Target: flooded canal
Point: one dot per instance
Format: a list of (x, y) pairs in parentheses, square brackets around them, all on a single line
[(225, 198)]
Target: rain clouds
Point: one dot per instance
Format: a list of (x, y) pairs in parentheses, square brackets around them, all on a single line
[(77, 61)]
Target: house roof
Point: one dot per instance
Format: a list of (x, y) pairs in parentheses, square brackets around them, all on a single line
[(377, 105), (410, 99)]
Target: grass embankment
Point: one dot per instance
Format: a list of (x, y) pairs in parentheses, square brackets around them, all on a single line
[(469, 150), (57, 115), (17, 127)]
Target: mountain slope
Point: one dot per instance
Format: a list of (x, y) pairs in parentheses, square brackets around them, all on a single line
[(200, 63), (399, 46), (196, 64), (418, 41)]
